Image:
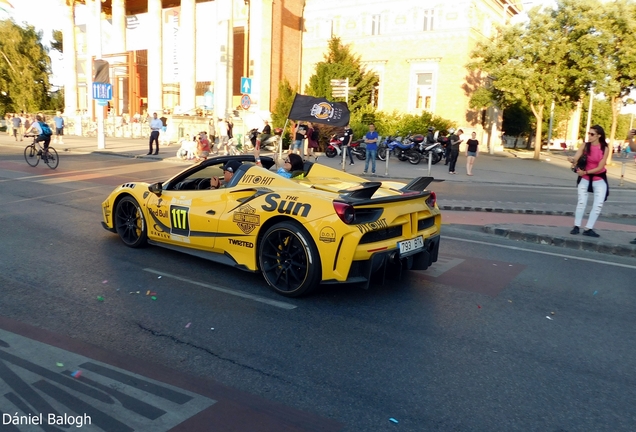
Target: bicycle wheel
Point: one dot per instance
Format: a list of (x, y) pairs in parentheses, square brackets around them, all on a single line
[(50, 158), (31, 155)]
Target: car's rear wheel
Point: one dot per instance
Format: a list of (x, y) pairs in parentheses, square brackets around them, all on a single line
[(289, 260), (130, 223)]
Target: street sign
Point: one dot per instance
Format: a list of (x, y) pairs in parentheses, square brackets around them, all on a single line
[(246, 85), (338, 82), (102, 91), (246, 102), (102, 102)]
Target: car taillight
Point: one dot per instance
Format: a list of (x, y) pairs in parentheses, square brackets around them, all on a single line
[(345, 212), (431, 200)]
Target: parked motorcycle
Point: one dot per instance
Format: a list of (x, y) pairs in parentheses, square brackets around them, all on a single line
[(435, 151), (402, 150), (335, 148), (270, 144)]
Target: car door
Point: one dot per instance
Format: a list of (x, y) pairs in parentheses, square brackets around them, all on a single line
[(185, 218)]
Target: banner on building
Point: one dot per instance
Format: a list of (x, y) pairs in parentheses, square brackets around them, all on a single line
[(319, 110)]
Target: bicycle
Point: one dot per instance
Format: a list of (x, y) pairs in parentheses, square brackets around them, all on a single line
[(35, 151)]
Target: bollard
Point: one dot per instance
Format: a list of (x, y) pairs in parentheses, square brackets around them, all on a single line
[(386, 162), (344, 157), (622, 173), (430, 163)]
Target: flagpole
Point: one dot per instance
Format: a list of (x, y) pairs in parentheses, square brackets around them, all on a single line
[(280, 147)]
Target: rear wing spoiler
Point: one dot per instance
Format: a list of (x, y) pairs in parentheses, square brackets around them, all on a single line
[(362, 193)]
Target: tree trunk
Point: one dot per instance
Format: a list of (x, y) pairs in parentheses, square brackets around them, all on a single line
[(538, 115), (70, 60), (617, 103)]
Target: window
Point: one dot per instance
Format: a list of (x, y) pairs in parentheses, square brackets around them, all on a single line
[(429, 15), (375, 24), (424, 91)]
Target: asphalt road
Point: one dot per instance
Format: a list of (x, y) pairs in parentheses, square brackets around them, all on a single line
[(497, 336)]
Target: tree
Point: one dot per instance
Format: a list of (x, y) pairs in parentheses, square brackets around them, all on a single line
[(617, 46), (341, 63), (282, 107), (24, 68), (549, 58)]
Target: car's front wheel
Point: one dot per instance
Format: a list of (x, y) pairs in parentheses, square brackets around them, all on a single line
[(289, 260), (130, 223)]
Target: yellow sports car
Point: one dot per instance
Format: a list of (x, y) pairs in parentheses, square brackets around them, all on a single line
[(320, 226)]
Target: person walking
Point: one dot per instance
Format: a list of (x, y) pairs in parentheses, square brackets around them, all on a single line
[(631, 144), (471, 153), (17, 124), (155, 127), (442, 139), (59, 127), (312, 141), (592, 178), (455, 141), (224, 138), (347, 138), (371, 140)]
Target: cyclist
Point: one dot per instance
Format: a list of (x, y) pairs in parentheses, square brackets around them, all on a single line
[(37, 129)]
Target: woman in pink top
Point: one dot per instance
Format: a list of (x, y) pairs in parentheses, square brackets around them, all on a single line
[(591, 179)]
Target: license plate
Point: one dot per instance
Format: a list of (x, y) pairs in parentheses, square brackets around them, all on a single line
[(408, 247)]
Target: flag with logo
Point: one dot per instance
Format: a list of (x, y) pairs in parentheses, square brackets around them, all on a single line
[(319, 110)]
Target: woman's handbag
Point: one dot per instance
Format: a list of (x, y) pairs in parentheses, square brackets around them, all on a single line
[(581, 163)]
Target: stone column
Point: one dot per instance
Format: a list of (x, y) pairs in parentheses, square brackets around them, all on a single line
[(70, 59), (187, 56), (261, 52), (155, 60), (225, 53), (118, 38)]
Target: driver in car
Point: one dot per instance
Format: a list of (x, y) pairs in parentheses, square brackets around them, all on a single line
[(229, 169)]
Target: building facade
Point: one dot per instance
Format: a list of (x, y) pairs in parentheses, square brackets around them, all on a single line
[(419, 49), (187, 55)]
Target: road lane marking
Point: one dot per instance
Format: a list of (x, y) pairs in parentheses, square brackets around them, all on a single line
[(52, 195), (543, 252), (256, 298)]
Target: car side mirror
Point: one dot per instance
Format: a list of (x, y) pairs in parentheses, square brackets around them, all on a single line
[(156, 188)]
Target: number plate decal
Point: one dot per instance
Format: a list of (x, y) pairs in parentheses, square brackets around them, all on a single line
[(179, 220), (408, 247)]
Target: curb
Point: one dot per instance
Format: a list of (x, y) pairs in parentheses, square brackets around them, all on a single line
[(564, 242), (527, 211)]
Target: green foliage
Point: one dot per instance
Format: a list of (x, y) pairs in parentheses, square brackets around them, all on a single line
[(282, 107), (602, 115), (24, 68), (58, 41), (341, 63), (517, 120)]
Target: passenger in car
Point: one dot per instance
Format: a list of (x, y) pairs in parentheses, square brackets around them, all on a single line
[(229, 169), (292, 166)]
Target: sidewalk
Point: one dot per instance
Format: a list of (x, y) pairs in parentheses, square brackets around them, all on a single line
[(506, 168)]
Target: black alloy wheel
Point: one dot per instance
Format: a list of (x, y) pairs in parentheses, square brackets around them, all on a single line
[(130, 223)]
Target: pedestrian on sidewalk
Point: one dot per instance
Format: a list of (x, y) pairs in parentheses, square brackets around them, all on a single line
[(455, 141), (592, 178), (347, 139), (471, 153), (59, 128), (17, 124), (155, 127), (371, 140), (442, 138), (631, 144)]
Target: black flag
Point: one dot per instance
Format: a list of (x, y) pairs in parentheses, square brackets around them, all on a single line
[(102, 72), (319, 110)]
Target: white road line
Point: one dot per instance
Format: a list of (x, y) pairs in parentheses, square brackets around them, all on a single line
[(275, 303), (543, 253), (52, 195)]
